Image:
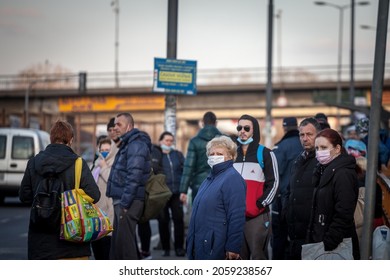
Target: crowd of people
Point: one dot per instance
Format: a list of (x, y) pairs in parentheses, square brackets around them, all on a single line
[(248, 201)]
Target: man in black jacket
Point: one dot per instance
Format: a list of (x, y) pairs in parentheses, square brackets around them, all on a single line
[(300, 190)]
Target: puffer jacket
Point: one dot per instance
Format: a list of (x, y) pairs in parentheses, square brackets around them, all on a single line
[(173, 169), (59, 159), (334, 203), (218, 215), (131, 169), (195, 165)]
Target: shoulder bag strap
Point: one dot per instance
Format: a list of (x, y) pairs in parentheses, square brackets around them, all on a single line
[(77, 174)]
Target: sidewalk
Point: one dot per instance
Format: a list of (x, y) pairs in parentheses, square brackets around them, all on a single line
[(156, 252)]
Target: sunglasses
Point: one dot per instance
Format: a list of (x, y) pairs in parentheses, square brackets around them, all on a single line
[(247, 128)]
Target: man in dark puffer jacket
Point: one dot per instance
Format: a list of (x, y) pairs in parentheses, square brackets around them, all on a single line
[(126, 186)]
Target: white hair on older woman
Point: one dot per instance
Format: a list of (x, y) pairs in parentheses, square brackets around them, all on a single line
[(223, 142)]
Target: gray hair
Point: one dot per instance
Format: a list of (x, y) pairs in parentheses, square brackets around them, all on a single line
[(223, 142)]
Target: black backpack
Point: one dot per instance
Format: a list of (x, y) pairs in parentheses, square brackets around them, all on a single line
[(46, 206)]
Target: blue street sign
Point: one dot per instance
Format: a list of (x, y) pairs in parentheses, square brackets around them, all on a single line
[(174, 76)]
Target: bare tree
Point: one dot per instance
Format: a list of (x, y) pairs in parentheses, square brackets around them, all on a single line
[(45, 76)]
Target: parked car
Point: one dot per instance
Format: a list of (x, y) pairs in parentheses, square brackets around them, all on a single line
[(17, 146)]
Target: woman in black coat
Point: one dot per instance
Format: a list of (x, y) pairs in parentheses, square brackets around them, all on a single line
[(57, 158), (335, 194)]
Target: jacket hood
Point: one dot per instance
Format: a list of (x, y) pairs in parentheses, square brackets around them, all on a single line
[(252, 148), (256, 127), (54, 159), (208, 132)]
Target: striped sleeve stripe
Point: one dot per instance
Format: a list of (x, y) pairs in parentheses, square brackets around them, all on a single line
[(275, 186)]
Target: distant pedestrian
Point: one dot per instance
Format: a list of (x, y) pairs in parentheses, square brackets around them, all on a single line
[(286, 151), (101, 247), (195, 165), (322, 119), (172, 164)]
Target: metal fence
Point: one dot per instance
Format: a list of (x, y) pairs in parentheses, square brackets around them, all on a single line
[(228, 76)]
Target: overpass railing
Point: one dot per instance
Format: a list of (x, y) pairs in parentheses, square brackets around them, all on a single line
[(228, 76)]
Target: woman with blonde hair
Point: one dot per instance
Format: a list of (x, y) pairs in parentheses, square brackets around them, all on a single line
[(218, 216)]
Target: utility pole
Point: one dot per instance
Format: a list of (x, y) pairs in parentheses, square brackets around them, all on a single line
[(352, 56), (115, 5), (170, 99), (268, 120), (373, 132)]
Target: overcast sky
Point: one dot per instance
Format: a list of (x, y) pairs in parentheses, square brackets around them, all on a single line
[(79, 34)]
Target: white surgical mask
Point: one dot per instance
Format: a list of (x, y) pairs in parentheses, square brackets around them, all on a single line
[(323, 156), (213, 160), (165, 147)]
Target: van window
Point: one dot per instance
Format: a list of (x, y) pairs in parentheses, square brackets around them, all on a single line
[(3, 144), (22, 147)]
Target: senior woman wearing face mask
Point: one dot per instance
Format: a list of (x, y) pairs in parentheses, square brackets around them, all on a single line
[(218, 214), (335, 196)]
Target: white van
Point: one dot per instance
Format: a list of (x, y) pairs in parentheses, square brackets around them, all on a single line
[(17, 146)]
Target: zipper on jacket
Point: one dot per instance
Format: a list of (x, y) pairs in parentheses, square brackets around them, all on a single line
[(171, 165), (242, 166)]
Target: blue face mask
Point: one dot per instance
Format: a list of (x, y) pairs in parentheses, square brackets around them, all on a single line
[(165, 147), (104, 154), (246, 142)]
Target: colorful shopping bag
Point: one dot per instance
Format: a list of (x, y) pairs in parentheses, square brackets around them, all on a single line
[(81, 220)]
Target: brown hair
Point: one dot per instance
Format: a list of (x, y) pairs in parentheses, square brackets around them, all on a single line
[(333, 137), (61, 132), (104, 141)]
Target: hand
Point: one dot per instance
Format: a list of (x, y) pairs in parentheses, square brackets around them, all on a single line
[(232, 256), (183, 198), (102, 163)]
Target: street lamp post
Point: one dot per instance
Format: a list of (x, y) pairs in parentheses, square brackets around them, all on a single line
[(341, 9), (115, 6), (26, 104), (282, 100)]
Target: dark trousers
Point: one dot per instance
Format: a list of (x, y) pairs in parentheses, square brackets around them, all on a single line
[(101, 248), (279, 231), (176, 208), (123, 241), (145, 234)]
